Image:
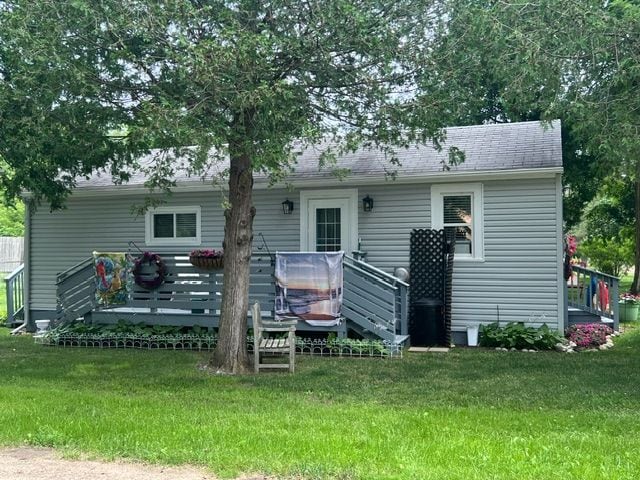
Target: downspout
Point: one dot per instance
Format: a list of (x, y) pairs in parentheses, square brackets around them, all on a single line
[(28, 204), (563, 312)]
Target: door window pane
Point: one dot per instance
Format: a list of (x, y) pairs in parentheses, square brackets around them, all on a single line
[(328, 232)]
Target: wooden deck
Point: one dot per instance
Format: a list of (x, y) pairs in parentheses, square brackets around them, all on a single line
[(375, 304)]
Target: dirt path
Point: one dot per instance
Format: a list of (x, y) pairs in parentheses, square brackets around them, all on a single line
[(46, 464)]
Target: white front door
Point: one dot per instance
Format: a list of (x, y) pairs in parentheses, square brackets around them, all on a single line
[(329, 221)]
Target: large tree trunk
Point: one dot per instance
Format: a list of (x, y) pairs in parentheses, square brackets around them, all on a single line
[(231, 354), (635, 286)]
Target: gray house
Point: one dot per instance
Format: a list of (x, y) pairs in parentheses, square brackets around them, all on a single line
[(509, 250)]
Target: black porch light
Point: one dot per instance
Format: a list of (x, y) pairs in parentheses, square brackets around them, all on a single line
[(367, 204), (287, 207)]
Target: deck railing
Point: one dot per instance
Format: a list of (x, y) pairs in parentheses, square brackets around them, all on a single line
[(372, 299), (188, 296), (594, 292), (14, 284)]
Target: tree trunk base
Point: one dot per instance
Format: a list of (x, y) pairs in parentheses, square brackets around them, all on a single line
[(232, 366)]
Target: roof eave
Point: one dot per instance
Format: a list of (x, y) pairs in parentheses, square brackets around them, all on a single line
[(330, 181)]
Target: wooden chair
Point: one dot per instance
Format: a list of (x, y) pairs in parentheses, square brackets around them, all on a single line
[(263, 343)]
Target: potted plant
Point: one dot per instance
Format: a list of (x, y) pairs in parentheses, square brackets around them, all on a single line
[(208, 258), (629, 305)]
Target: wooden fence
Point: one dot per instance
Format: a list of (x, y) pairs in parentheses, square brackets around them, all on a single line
[(11, 253)]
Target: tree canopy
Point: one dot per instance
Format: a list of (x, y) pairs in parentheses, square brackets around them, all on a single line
[(578, 61), (234, 80)]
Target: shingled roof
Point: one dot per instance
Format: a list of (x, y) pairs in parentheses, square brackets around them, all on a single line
[(487, 148)]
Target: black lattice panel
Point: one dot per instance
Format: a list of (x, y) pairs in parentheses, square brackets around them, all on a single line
[(431, 267), (426, 264)]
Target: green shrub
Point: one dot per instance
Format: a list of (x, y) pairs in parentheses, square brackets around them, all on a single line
[(517, 335)]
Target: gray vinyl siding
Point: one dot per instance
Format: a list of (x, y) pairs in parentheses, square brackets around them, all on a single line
[(385, 231), (518, 277), (517, 280), (63, 238)]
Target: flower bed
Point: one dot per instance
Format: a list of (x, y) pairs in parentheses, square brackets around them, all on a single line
[(137, 336), (589, 335)]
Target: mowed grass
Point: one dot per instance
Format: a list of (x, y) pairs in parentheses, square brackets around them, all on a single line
[(469, 414)]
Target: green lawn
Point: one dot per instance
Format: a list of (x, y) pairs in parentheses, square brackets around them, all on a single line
[(625, 283), (463, 415)]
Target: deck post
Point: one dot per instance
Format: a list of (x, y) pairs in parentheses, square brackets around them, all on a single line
[(10, 306), (613, 303)]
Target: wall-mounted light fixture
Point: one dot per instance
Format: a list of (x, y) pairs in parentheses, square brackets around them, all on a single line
[(367, 204), (287, 207)]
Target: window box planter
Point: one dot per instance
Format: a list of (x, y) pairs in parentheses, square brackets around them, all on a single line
[(207, 263)]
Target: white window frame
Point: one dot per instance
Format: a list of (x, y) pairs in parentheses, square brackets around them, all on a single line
[(475, 190), (187, 241), (350, 195)]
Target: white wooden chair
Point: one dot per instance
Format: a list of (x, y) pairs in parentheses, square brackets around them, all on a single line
[(263, 343)]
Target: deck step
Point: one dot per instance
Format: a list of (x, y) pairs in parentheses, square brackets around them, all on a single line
[(578, 316)]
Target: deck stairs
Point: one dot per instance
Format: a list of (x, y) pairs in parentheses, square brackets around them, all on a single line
[(592, 297)]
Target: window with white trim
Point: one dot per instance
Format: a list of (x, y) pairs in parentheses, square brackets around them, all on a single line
[(457, 208), (173, 226)]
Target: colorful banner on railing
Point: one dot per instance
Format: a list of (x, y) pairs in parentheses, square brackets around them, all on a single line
[(309, 286), (112, 287)]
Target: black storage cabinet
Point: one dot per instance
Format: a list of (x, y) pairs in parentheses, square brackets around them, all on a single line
[(427, 323)]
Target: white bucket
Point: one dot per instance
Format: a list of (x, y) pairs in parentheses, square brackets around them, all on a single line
[(42, 325), (472, 335)]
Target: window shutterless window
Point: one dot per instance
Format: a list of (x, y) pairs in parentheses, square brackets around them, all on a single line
[(457, 208), (173, 226)]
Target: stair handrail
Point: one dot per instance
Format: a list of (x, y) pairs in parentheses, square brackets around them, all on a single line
[(14, 286), (71, 270), (377, 272), (399, 287), (578, 268)]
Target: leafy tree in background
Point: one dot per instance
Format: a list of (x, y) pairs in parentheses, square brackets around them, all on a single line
[(578, 61), (12, 220), (606, 230), (234, 80)]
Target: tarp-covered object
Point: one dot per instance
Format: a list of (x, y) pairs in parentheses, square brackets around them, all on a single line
[(111, 278), (309, 286)]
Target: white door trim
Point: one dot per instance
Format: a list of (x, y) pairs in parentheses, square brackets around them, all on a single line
[(350, 217)]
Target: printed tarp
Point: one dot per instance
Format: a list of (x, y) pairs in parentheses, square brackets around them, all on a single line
[(309, 286), (111, 278)]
